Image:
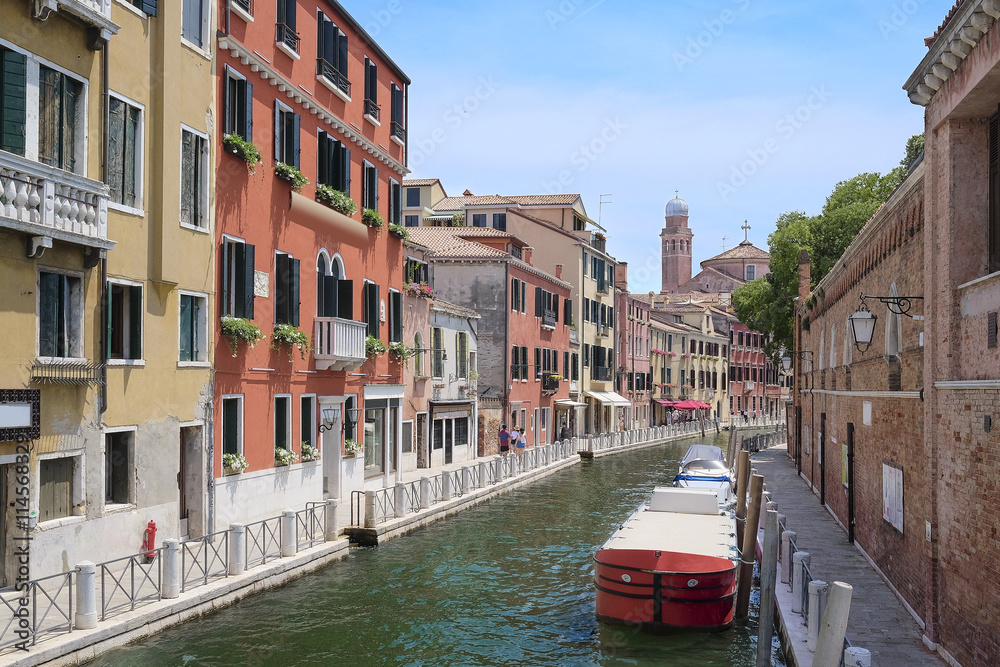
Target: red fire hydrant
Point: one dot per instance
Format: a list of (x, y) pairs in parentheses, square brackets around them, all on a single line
[(149, 541)]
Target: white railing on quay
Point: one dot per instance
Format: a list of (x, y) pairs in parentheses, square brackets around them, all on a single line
[(128, 581), (204, 559), (49, 610)]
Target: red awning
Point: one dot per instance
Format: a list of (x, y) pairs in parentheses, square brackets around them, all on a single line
[(691, 405), (665, 403)]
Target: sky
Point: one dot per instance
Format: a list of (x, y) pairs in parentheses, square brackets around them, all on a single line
[(746, 108)]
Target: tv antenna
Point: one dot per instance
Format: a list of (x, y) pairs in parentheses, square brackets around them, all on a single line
[(600, 210)]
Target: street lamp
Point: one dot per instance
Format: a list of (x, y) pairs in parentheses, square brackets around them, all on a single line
[(330, 417), (863, 321), (786, 361)]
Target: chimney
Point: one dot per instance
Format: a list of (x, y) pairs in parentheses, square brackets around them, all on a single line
[(526, 253), (559, 268)]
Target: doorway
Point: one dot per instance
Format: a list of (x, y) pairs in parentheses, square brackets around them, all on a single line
[(191, 482)]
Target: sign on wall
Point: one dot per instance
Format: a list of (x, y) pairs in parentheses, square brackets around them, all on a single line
[(20, 413), (892, 494)]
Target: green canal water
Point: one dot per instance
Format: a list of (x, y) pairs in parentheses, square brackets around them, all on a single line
[(508, 582)]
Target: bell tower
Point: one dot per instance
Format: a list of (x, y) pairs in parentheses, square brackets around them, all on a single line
[(675, 245)]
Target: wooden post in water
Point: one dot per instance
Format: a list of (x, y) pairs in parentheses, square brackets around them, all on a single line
[(731, 451), (749, 551), (742, 478), (768, 578)]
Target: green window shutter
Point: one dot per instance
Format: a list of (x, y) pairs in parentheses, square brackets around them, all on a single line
[(135, 325), (248, 102), (186, 326), (282, 296), (13, 92), (149, 7), (296, 148), (293, 291), (247, 292), (397, 316)]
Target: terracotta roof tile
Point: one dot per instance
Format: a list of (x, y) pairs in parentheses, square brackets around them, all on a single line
[(453, 241), (745, 250), (441, 304), (417, 182), (541, 200), (457, 203), (929, 41)]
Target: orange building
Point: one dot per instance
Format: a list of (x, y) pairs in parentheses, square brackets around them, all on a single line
[(311, 151)]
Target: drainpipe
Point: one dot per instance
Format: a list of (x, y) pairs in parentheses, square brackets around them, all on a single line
[(850, 482), (228, 11), (505, 391), (105, 132)]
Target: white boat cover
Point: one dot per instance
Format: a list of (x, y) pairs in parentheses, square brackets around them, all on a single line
[(702, 453)]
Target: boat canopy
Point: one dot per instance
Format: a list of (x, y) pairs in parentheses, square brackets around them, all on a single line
[(703, 453)]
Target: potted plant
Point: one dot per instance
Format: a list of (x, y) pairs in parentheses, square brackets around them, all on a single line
[(286, 334), (291, 174), (400, 352), (371, 217), (234, 464), (284, 457), (400, 232), (352, 448), (458, 220), (422, 290), (374, 347), (238, 329), (309, 453), (243, 149), (335, 199)]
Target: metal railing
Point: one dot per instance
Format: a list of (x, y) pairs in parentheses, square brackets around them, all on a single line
[(262, 541), (384, 506), (203, 559), (245, 5), (283, 34), (310, 525), (411, 496), (372, 109), (456, 483), (138, 580), (548, 318), (327, 70), (57, 600), (399, 131)]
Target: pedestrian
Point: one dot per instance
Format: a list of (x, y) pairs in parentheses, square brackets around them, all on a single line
[(504, 440), (522, 442), (564, 433), (514, 435)]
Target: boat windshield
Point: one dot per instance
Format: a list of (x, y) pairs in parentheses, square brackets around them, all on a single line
[(707, 465)]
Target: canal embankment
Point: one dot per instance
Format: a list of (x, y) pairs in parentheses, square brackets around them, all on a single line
[(84, 612)]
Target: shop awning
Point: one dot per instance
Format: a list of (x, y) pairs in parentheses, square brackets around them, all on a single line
[(608, 398), (567, 403), (665, 403)]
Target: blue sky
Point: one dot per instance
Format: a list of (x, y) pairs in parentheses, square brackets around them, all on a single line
[(747, 108)]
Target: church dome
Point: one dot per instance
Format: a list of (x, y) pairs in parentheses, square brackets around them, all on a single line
[(676, 206)]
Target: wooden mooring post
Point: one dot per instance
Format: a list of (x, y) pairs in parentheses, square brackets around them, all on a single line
[(742, 479), (768, 580), (749, 551)]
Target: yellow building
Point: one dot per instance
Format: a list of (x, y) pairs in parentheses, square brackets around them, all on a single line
[(106, 268)]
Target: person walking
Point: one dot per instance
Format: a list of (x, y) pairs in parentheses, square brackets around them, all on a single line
[(504, 440), (522, 442)]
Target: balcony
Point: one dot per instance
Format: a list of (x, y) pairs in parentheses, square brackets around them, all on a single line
[(372, 111), (287, 40), (93, 13), (748, 386), (340, 344), (398, 133), (332, 78), (603, 287), (603, 330), (574, 338), (51, 203), (549, 319), (550, 383), (600, 374)]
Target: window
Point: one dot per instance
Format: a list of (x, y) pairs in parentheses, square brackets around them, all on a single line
[(237, 278), (286, 135), (60, 315), (411, 220), (500, 221), (286, 289), (60, 100), (515, 294), (371, 308), (515, 363), (232, 424), (478, 219), (395, 316), (395, 203), (124, 321), (307, 420), (524, 362), (462, 352), (750, 271), (118, 467), (398, 131), (283, 422), (412, 197), (193, 343), (56, 488), (194, 179), (437, 352), (334, 167), (194, 17), (567, 312), (331, 52), (371, 91), (416, 271), (369, 193), (124, 152), (238, 105), (285, 35), (579, 224), (13, 93), (576, 366), (538, 363)]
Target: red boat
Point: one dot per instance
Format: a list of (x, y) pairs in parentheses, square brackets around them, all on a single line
[(671, 566)]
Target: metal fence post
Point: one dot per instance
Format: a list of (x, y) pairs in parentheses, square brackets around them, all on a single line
[(289, 546), (86, 596), (171, 569), (798, 579), (237, 549)]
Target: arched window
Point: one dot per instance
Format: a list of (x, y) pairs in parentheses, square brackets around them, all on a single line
[(331, 286), (674, 245)]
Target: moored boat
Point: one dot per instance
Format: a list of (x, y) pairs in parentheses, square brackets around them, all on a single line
[(671, 566), (704, 467)]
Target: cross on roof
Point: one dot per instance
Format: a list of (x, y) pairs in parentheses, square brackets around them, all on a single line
[(746, 230)]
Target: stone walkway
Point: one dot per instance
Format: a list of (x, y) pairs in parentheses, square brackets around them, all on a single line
[(878, 620)]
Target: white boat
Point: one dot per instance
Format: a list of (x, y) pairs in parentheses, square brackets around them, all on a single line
[(704, 467)]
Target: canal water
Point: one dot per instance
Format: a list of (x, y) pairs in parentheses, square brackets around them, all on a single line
[(507, 582)]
